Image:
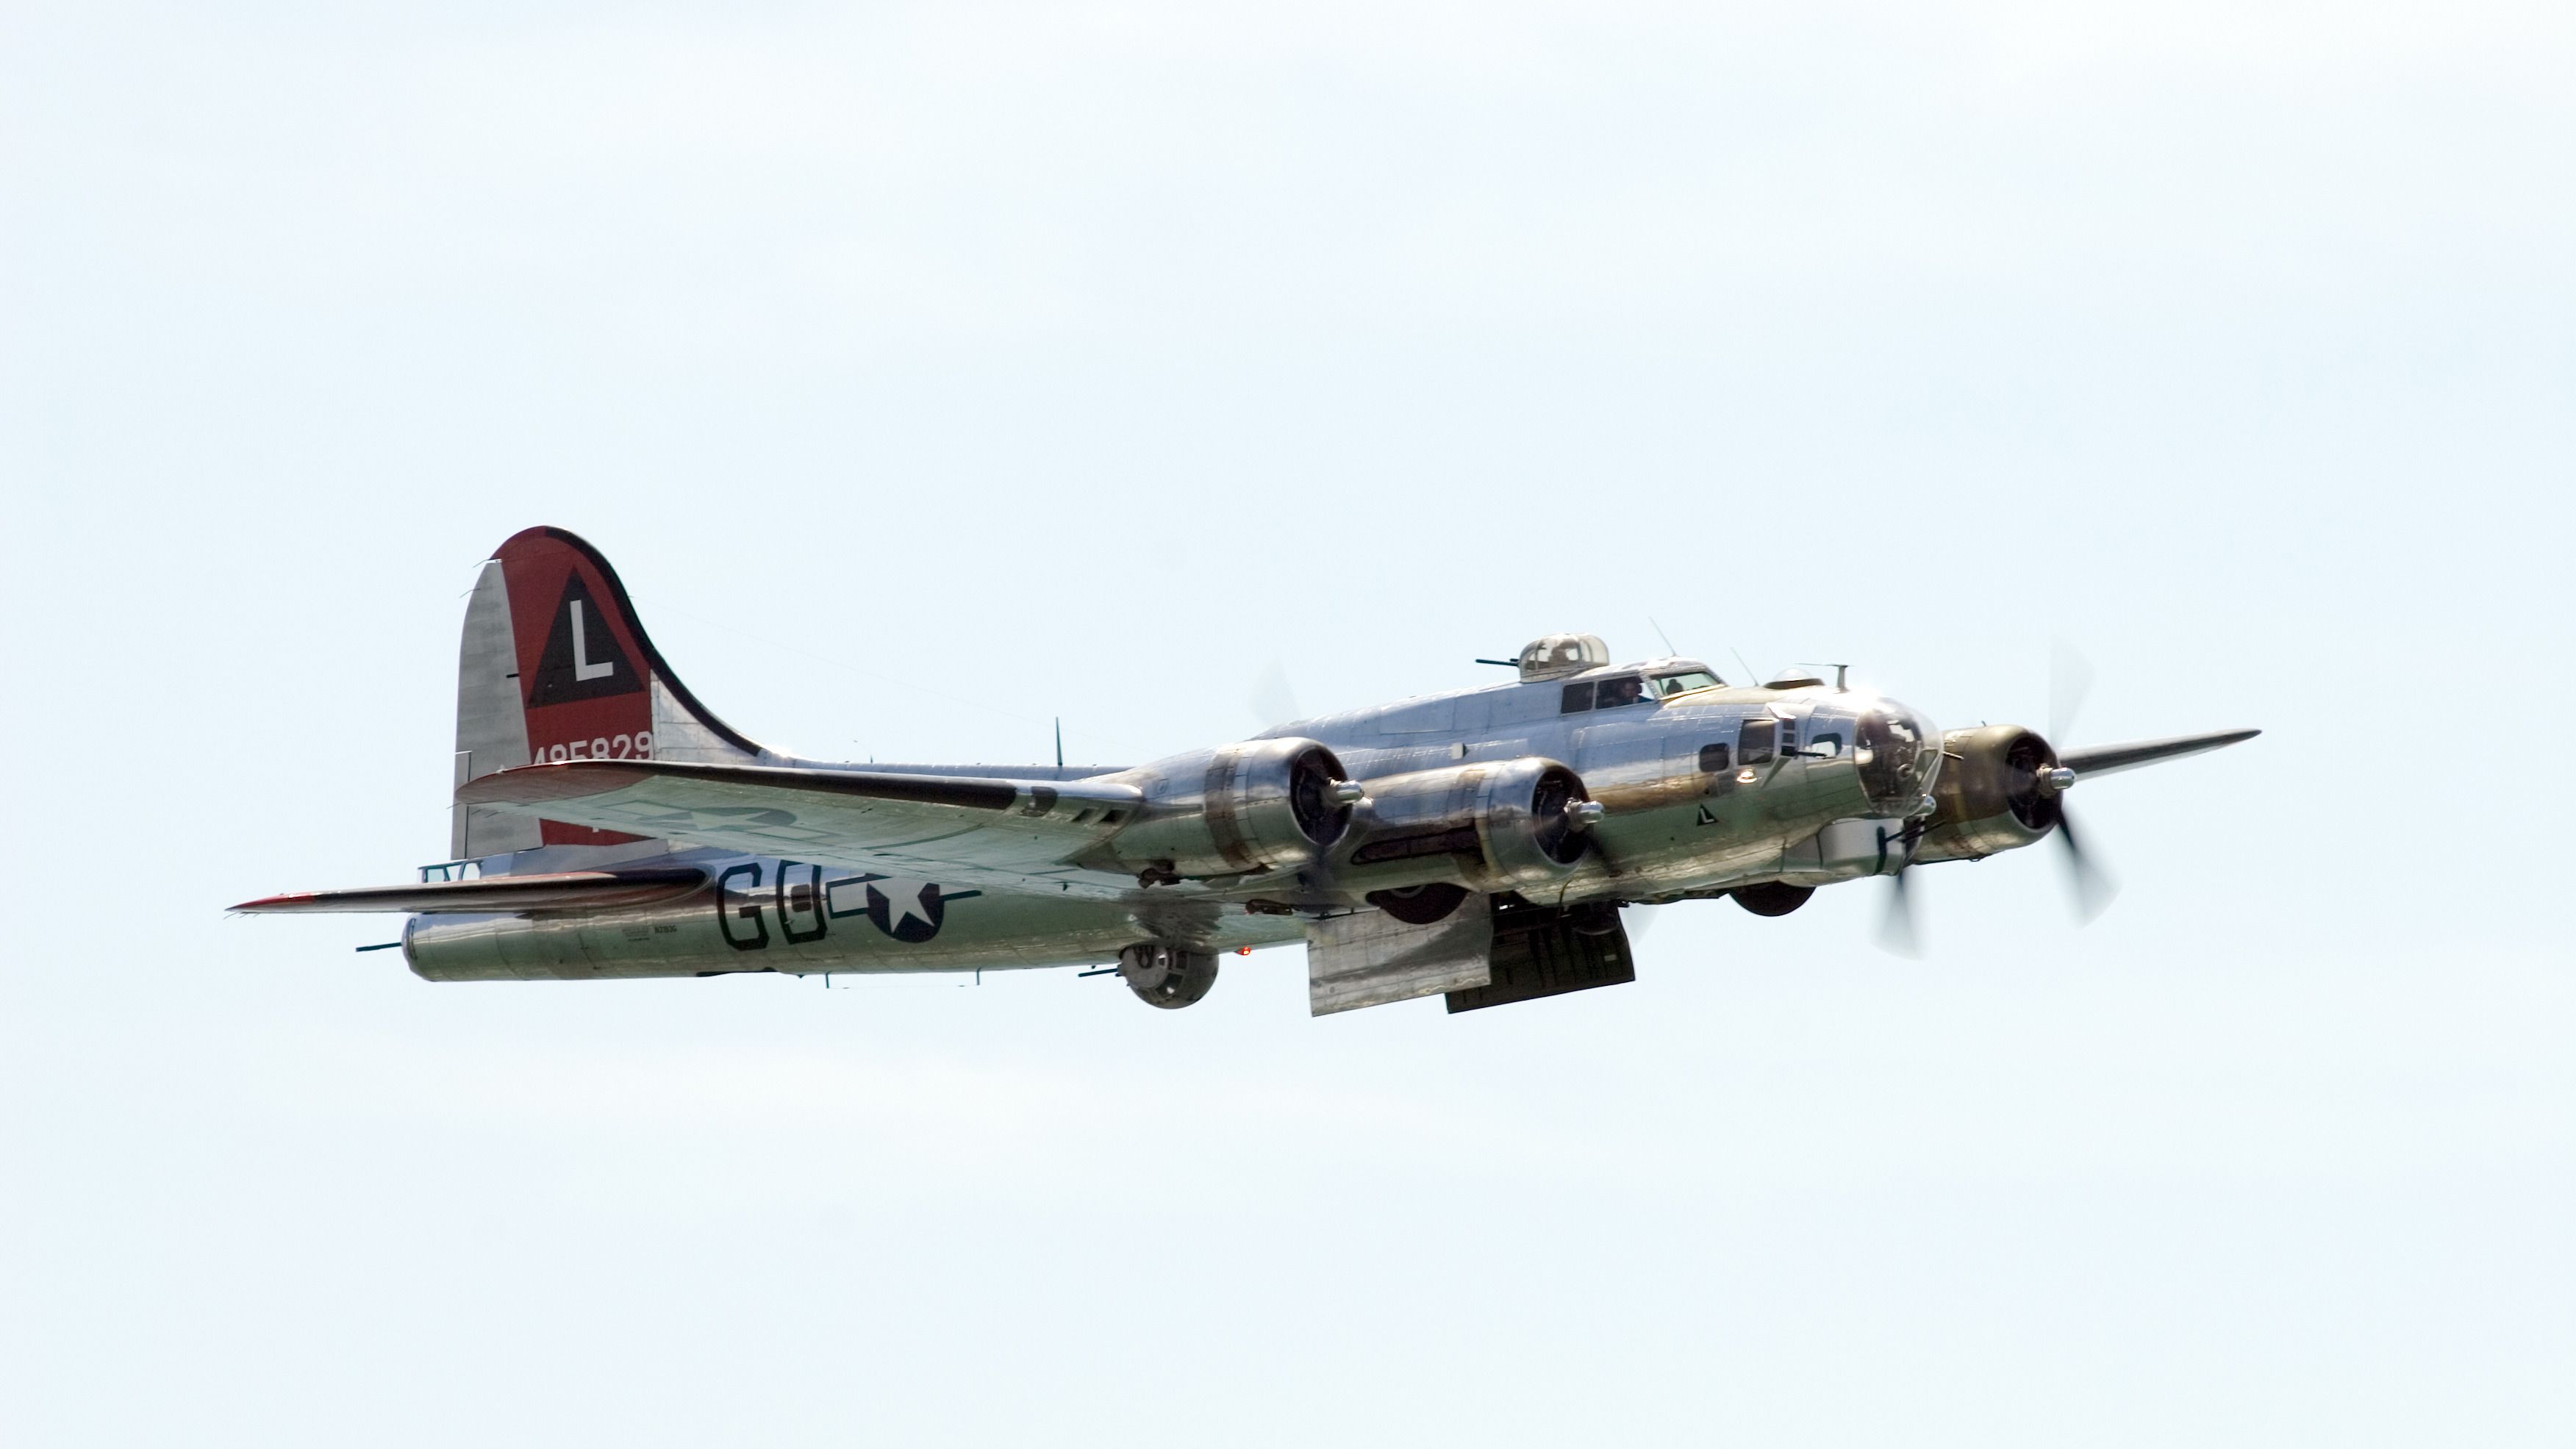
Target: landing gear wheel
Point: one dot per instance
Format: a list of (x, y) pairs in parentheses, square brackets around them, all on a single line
[(1772, 898), (1166, 976)]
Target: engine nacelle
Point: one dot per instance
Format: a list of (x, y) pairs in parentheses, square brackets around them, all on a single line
[(1498, 827), (1995, 792), (1259, 806)]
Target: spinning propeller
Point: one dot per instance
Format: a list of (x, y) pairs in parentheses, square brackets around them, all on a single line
[(2036, 783), (2070, 680)]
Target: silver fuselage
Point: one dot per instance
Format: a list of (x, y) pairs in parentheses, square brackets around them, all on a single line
[(1703, 791)]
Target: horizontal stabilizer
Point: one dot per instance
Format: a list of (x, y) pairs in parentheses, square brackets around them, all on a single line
[(578, 890), (971, 827), (2109, 759)]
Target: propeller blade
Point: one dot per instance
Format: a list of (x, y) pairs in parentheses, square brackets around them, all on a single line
[(1273, 700), (1896, 933), (2109, 759), (2092, 885), (2070, 680)]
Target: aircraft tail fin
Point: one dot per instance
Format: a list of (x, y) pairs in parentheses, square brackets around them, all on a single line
[(556, 666)]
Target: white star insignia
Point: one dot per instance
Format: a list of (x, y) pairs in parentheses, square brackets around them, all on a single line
[(904, 900)]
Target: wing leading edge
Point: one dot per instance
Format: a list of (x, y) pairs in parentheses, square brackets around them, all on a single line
[(576, 890)]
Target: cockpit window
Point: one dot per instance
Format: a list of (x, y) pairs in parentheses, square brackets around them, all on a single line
[(1667, 685), (1608, 693)]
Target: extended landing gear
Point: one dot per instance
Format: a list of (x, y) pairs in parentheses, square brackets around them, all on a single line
[(1772, 898), (1166, 976)]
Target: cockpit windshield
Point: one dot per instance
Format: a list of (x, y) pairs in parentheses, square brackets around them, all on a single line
[(1665, 686)]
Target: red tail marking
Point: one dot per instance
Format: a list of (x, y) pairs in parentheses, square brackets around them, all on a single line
[(585, 679)]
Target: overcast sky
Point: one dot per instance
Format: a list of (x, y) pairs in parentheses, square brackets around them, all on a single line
[(932, 373)]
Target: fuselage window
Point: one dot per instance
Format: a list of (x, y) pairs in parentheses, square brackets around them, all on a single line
[(1753, 743), (1712, 760), (1826, 745), (1578, 698)]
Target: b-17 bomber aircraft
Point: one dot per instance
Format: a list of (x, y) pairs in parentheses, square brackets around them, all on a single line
[(1478, 844)]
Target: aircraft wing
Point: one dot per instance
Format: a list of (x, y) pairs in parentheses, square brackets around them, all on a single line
[(1006, 832), (572, 890), (2094, 760)]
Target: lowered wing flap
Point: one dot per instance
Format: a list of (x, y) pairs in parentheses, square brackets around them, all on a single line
[(2110, 759), (575, 890), (1000, 830), (1370, 958)]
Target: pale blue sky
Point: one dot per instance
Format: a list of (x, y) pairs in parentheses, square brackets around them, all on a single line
[(930, 373)]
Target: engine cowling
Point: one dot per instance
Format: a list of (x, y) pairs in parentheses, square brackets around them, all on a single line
[(1504, 826), (1262, 805), (1996, 791)]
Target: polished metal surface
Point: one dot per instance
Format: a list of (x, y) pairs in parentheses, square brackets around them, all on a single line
[(1256, 807), (491, 728), (1491, 827), (1369, 958), (1383, 838)]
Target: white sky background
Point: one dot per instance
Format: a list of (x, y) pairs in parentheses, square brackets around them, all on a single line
[(931, 373)]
